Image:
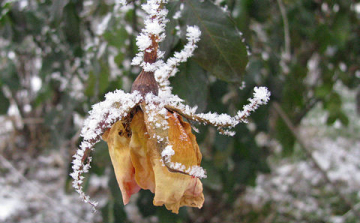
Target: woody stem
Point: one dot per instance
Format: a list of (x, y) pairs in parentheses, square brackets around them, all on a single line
[(145, 83)]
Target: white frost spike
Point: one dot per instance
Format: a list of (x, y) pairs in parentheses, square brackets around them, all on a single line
[(154, 29), (196, 171), (143, 41), (102, 116), (167, 70), (193, 33), (138, 59), (262, 95), (167, 153), (116, 105)]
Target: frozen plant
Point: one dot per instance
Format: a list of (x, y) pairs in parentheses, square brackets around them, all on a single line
[(150, 145)]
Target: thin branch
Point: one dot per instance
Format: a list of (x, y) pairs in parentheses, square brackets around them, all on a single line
[(286, 29), (33, 121), (309, 105), (132, 44), (195, 117), (309, 154)]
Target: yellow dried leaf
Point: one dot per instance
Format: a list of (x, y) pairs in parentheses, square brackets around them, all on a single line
[(118, 140), (177, 189), (183, 141), (138, 162), (144, 174)]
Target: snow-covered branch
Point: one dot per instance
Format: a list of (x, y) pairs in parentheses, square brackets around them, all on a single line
[(102, 116), (221, 121), (168, 69)]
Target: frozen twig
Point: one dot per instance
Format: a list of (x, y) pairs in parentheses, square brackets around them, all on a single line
[(103, 115), (169, 69), (222, 121)]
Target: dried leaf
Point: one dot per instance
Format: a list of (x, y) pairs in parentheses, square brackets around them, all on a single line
[(118, 140), (137, 160), (144, 174)]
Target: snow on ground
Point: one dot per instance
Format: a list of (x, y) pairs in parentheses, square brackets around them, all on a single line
[(295, 191), (33, 190)]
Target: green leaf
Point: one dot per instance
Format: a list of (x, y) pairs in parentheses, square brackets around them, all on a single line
[(214, 179), (285, 137), (72, 23), (332, 118), (119, 58), (57, 9), (323, 90), (33, 23), (172, 39), (166, 216), (115, 210), (223, 149), (342, 28), (343, 118), (98, 80), (9, 76), (114, 37), (103, 78), (333, 102), (335, 115), (191, 84), (323, 35), (91, 82), (144, 203), (221, 50), (4, 103)]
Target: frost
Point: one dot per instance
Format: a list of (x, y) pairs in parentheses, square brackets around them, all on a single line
[(196, 171), (243, 85), (137, 59), (116, 105), (261, 95), (143, 41), (168, 69), (153, 27), (193, 34), (167, 153), (102, 116), (177, 14)]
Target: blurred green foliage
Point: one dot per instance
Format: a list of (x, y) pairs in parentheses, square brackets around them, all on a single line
[(77, 57)]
